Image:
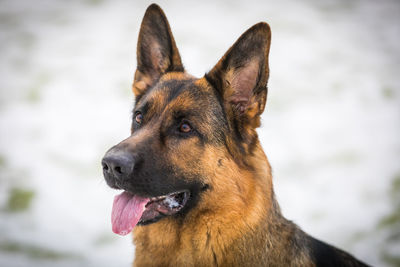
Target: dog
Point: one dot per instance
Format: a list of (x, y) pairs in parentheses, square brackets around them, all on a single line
[(197, 186)]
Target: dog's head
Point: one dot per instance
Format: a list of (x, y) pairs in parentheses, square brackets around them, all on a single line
[(186, 132)]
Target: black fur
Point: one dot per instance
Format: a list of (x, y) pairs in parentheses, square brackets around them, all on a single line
[(326, 255)]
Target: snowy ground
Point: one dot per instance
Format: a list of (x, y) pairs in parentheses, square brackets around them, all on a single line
[(331, 128)]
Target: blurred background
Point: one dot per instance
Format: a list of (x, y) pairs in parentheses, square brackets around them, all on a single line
[(331, 127)]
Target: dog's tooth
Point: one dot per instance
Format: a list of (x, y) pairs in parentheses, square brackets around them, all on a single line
[(171, 202)]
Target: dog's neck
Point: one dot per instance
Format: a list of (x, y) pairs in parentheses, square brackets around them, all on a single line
[(245, 210)]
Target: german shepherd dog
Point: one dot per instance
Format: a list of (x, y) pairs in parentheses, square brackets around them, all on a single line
[(197, 186)]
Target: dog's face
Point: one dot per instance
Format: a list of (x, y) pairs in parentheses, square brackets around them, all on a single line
[(184, 128)]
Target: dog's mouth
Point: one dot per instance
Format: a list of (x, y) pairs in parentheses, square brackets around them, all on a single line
[(130, 210)]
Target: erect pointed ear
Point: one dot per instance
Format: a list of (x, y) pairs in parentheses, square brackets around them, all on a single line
[(156, 50), (241, 75)]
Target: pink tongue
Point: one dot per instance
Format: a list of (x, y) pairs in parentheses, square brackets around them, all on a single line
[(126, 212)]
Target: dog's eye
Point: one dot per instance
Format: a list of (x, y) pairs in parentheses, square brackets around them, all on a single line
[(185, 127), (139, 117)]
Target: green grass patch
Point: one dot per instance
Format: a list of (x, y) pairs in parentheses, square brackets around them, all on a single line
[(34, 92), (19, 200), (388, 92), (395, 190), (391, 223), (392, 220), (33, 95), (35, 252), (391, 260)]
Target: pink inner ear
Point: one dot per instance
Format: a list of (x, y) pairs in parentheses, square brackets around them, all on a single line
[(243, 82)]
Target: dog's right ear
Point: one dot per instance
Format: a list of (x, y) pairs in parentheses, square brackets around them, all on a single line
[(157, 53)]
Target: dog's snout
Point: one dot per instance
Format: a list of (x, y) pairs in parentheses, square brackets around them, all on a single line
[(119, 165)]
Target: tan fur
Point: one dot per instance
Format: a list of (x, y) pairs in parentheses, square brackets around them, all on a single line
[(218, 230)]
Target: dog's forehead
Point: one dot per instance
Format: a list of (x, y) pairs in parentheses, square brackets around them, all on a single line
[(184, 92)]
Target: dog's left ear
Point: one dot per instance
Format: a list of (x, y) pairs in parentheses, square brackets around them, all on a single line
[(241, 75), (156, 52)]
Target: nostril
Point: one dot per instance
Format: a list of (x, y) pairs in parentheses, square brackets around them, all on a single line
[(105, 166), (118, 169)]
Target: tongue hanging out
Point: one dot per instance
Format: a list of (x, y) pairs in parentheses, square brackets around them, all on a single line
[(126, 212), (129, 210)]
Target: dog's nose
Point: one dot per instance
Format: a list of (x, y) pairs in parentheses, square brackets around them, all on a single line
[(118, 164)]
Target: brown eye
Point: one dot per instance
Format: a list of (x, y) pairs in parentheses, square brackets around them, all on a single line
[(185, 128), (138, 118)]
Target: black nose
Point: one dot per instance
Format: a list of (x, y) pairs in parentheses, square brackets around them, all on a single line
[(118, 165)]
